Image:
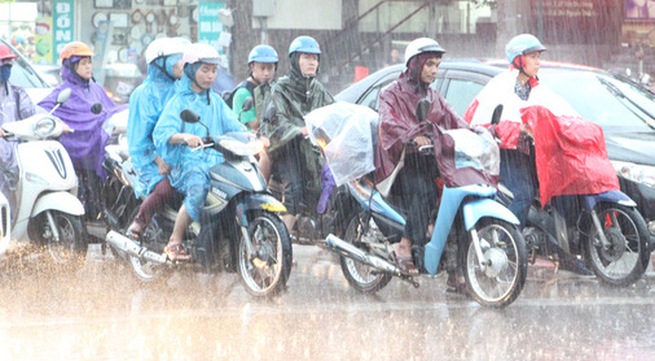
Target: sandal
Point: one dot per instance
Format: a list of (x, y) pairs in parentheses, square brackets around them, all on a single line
[(132, 231), (176, 252), (455, 287), (405, 264)]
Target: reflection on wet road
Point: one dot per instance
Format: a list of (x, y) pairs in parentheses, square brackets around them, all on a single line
[(102, 313)]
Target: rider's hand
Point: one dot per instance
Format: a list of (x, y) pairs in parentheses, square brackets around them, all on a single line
[(162, 167), (304, 132), (65, 128), (2, 133), (193, 141), (479, 130), (265, 141), (422, 140)]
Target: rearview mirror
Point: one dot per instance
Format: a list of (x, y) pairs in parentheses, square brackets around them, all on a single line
[(422, 109), (189, 116), (63, 96), (270, 113), (495, 117), (247, 105), (96, 108)]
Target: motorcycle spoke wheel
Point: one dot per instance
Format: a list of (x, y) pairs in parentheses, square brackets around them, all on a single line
[(69, 251), (146, 271), (499, 281), (624, 259), (360, 276), (265, 271)]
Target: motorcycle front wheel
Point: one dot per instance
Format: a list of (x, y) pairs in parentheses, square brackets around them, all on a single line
[(67, 251), (265, 267), (360, 276), (624, 259), (498, 280)]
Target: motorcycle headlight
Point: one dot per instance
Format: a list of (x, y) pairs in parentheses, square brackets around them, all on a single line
[(253, 147), (44, 127), (637, 173)]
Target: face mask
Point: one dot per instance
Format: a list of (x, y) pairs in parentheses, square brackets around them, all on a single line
[(5, 73)]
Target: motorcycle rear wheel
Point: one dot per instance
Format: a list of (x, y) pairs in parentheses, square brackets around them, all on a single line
[(69, 251), (500, 282), (361, 277), (626, 259), (266, 270)]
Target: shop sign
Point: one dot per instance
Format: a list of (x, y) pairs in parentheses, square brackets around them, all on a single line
[(63, 25), (209, 26)]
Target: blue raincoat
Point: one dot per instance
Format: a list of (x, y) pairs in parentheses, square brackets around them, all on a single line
[(86, 145), (146, 105), (190, 170)]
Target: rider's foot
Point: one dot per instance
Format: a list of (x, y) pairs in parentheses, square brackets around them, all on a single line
[(457, 285), (176, 252), (402, 256), (134, 230), (576, 266)]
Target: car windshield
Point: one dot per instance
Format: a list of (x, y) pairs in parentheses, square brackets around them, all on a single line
[(608, 101)]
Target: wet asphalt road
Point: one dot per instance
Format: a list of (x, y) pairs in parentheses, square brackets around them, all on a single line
[(102, 313)]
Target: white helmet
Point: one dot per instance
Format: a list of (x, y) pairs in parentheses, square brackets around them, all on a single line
[(201, 52), (421, 45), (165, 47)]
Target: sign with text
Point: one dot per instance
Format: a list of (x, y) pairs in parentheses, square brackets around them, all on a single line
[(575, 21), (209, 26), (63, 25)]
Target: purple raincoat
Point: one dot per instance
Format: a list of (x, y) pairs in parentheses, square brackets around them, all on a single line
[(86, 145)]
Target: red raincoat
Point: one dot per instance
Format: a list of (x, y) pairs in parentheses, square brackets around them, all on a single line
[(570, 153)]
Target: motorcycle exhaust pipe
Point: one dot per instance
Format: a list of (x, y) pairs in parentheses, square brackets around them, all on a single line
[(348, 250), (126, 245)]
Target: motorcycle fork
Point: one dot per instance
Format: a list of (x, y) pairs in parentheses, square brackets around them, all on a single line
[(53, 226), (600, 229)]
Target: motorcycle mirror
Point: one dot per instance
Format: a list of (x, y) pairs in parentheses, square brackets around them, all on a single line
[(96, 108), (189, 116), (495, 117), (247, 105), (422, 109), (270, 113), (63, 96)]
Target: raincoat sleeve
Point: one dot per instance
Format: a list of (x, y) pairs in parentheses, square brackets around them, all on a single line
[(26, 106), (169, 123), (240, 97), (140, 125), (280, 129)]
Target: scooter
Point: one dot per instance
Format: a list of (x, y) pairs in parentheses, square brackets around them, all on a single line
[(48, 211), (240, 231), (605, 229), (491, 250)]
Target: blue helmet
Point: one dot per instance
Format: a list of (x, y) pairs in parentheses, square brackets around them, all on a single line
[(304, 44), (263, 54), (521, 45)]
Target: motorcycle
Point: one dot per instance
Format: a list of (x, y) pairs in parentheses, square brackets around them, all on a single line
[(240, 230), (47, 209), (604, 228), (491, 250)]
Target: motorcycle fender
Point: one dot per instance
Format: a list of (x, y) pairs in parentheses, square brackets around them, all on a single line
[(613, 196), (478, 208), (258, 201), (58, 201)]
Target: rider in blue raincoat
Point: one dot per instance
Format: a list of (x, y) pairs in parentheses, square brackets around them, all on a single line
[(174, 138), (164, 57)]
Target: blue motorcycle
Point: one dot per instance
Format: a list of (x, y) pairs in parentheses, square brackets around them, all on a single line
[(490, 249)]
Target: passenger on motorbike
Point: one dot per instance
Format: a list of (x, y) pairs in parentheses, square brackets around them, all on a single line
[(164, 57), (411, 173), (293, 160), (517, 89), (86, 144), (262, 62), (174, 138), (15, 104)]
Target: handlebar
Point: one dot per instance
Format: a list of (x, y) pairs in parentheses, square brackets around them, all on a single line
[(205, 145)]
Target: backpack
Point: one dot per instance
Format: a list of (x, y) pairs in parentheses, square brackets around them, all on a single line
[(229, 96)]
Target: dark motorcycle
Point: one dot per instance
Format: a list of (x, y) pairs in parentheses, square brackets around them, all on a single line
[(605, 229), (240, 230)]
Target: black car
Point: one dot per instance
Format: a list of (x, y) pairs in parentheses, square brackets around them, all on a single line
[(624, 109)]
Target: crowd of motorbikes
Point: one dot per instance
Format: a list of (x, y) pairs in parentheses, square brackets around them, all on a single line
[(242, 232)]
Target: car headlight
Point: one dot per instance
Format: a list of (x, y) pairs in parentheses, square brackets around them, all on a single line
[(44, 127), (637, 173)]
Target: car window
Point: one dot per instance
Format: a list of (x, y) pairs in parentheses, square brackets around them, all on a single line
[(460, 93), (370, 99), (24, 76), (605, 100)]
